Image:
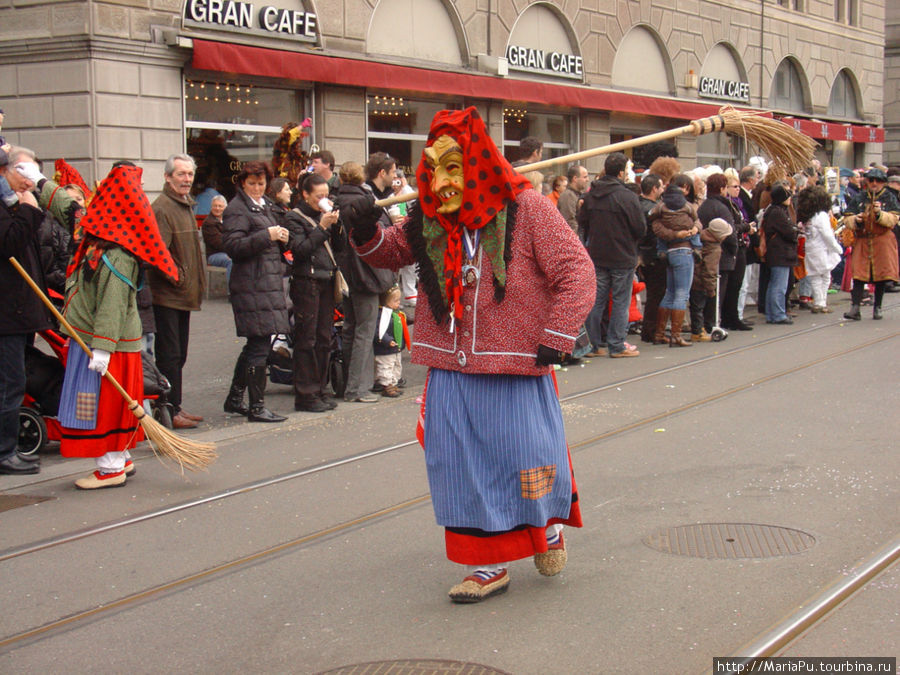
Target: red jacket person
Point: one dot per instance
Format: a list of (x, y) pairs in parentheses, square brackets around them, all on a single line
[(504, 286)]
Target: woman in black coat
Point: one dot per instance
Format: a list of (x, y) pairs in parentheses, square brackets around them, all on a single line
[(254, 241), (313, 226), (781, 253), (718, 205)]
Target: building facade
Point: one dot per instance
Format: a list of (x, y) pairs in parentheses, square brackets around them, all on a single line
[(101, 80), (892, 85)]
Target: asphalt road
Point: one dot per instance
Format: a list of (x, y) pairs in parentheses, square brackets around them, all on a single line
[(302, 550)]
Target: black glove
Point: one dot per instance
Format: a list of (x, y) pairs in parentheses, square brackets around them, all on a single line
[(547, 356), (360, 215)]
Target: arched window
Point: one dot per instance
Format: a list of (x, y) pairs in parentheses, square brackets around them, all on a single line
[(642, 63), (787, 88), (843, 101), (415, 29)]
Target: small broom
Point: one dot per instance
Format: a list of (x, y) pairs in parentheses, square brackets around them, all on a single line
[(789, 149), (188, 454)]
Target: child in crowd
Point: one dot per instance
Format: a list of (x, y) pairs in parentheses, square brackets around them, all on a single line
[(392, 335), (705, 286), (675, 214)]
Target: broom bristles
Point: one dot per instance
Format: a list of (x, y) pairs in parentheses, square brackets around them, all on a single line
[(789, 149), (192, 455)]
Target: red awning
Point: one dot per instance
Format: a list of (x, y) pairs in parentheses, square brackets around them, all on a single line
[(301, 66), (836, 132)]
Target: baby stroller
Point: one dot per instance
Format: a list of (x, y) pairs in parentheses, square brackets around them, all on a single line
[(280, 361), (44, 375)]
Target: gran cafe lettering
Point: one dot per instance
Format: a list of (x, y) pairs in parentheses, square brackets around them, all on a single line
[(711, 87), (551, 63), (236, 15)]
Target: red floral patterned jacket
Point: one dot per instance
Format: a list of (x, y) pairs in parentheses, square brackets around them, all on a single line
[(549, 291)]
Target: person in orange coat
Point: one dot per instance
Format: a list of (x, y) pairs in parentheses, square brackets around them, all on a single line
[(872, 216)]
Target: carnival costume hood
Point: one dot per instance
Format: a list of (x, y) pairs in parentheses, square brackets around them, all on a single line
[(67, 174), (475, 186), (120, 213)]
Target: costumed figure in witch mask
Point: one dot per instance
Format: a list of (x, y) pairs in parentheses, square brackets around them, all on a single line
[(103, 278), (504, 286)]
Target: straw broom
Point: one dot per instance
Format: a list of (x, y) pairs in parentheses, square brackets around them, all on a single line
[(188, 454), (789, 149)]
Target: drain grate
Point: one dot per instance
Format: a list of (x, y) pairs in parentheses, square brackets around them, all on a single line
[(10, 502), (415, 667), (730, 540)]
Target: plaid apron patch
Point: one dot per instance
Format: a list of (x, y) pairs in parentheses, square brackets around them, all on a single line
[(537, 482), (85, 406)]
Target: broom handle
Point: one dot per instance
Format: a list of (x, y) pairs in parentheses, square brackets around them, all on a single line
[(697, 127), (68, 327)]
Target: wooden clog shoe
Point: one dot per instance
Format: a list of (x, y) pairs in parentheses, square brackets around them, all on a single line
[(475, 589), (97, 480), (553, 561)]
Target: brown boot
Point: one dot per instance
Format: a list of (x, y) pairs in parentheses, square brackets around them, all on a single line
[(677, 320), (662, 318)]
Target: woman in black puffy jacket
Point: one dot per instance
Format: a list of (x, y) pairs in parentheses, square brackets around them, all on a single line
[(254, 241), (314, 228)]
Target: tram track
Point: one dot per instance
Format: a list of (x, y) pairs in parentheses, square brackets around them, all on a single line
[(393, 510), (102, 528)]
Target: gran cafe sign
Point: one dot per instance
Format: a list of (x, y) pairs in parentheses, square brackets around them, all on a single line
[(274, 21), (545, 63), (729, 90)]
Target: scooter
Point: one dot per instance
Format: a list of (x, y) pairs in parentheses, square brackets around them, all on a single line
[(717, 334)]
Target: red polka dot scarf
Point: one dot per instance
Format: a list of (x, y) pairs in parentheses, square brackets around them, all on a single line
[(490, 182), (120, 213)]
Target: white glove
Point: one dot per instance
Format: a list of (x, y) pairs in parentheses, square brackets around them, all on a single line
[(30, 171), (99, 361)]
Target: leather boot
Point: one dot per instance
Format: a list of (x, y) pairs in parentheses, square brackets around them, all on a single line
[(677, 321), (662, 318), (853, 313), (876, 312), (234, 402), (256, 388)]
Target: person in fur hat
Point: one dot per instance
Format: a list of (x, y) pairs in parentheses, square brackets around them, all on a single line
[(103, 278), (504, 286)]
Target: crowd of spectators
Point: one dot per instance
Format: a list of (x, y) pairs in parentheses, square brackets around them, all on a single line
[(704, 244)]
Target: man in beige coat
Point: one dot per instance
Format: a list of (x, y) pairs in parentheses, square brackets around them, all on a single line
[(174, 302)]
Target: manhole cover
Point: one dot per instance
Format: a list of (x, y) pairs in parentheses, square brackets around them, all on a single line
[(9, 502), (730, 540), (415, 667)]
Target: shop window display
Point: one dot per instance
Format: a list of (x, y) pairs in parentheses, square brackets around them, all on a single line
[(229, 123), (553, 129), (721, 149), (399, 126)]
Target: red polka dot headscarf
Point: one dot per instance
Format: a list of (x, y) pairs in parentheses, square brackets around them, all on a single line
[(120, 213), (490, 182)]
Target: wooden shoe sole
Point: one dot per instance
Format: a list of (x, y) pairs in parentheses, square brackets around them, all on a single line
[(474, 589)]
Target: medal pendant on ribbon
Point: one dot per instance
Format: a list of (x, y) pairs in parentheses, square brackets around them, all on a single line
[(470, 275)]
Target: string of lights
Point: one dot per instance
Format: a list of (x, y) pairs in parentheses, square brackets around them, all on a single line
[(216, 92)]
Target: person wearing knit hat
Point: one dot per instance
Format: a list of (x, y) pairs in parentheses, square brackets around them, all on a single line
[(872, 216), (704, 289), (103, 278), (781, 253), (504, 287)]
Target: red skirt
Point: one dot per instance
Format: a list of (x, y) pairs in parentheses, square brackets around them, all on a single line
[(117, 428), (486, 548)]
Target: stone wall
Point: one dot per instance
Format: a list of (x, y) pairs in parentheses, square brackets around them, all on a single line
[(87, 79)]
